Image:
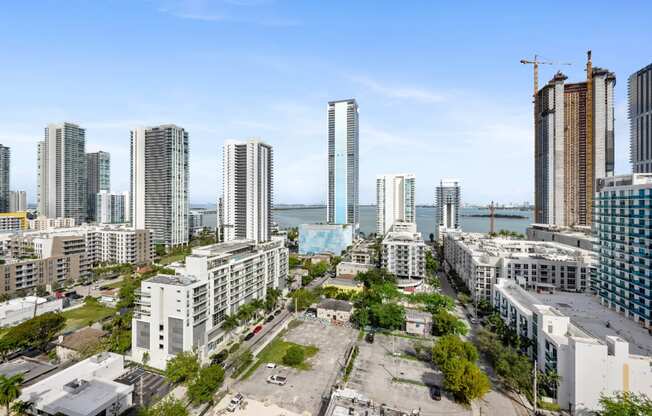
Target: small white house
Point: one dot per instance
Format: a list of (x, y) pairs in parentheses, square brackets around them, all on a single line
[(334, 310), (418, 322)]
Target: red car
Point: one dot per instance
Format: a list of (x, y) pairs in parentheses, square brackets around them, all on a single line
[(258, 329)]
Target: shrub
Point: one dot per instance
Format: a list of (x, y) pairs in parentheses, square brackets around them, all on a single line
[(294, 356)]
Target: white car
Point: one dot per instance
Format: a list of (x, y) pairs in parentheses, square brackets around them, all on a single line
[(235, 402), (278, 380), (271, 365)]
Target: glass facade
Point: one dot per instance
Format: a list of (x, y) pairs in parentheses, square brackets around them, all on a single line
[(324, 238)]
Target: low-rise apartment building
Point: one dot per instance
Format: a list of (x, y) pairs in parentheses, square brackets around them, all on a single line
[(185, 312), (42, 223), (13, 221), (404, 252), (588, 367), (479, 260)]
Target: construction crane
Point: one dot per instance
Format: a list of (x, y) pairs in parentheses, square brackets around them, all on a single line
[(535, 65)]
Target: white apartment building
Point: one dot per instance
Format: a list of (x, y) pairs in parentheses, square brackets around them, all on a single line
[(248, 182), (404, 252), (588, 366), (111, 208), (185, 312), (395, 201), (42, 223), (87, 388), (159, 183), (480, 260), (447, 207), (17, 201)]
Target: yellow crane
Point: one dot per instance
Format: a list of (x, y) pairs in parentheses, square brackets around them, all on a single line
[(535, 65)]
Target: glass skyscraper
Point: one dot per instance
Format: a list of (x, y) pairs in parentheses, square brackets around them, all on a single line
[(343, 156)]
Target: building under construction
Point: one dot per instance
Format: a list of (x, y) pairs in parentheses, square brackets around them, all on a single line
[(574, 145)]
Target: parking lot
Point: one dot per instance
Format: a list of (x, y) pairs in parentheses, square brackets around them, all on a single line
[(151, 385), (303, 392), (377, 366)]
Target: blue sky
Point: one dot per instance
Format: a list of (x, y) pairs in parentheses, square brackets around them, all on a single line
[(439, 84)]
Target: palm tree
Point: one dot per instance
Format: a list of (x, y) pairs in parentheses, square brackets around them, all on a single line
[(272, 299), (230, 323), (9, 389), (20, 408), (257, 305)]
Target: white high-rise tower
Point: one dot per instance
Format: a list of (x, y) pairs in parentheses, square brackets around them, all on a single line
[(248, 178), (395, 200), (447, 206)]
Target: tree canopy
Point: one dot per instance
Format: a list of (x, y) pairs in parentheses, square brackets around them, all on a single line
[(33, 333), (387, 315), (293, 356), (183, 367), (625, 404), (445, 323), (208, 381), (462, 377), (166, 407)]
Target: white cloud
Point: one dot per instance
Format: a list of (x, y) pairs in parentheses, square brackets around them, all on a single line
[(399, 92)]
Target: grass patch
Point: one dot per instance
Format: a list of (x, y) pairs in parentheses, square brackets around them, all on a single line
[(295, 324), (553, 407), (275, 351), (403, 356), (81, 317), (171, 258), (406, 336), (349, 366), (408, 381), (360, 334)]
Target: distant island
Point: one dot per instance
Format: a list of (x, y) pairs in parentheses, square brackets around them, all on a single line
[(509, 216)]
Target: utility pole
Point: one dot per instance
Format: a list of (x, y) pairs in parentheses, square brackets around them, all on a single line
[(535, 386)]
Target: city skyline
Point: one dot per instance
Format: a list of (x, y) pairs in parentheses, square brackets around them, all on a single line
[(282, 84)]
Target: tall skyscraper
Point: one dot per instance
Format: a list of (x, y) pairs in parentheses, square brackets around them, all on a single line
[(98, 168), (343, 137), (62, 172), (247, 184), (17, 201), (574, 145), (394, 200), (640, 120), (159, 183), (5, 162), (447, 206)]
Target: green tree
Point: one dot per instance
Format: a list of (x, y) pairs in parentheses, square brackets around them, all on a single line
[(318, 270), (294, 261), (166, 407), (465, 381), (271, 299), (145, 358), (463, 298), (160, 250), (335, 260), (183, 367), (9, 389), (432, 302), (293, 234), (625, 404), (294, 356), (385, 292), (445, 323), (484, 308), (230, 323), (451, 348), (204, 386), (375, 276), (360, 317), (36, 332), (387, 315), (21, 408), (302, 299)]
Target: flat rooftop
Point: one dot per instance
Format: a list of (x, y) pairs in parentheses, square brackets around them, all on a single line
[(586, 312), (175, 280), (30, 369)]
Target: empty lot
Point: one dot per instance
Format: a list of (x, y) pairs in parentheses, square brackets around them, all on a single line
[(304, 389)]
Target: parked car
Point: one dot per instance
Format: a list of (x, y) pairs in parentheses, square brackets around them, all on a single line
[(277, 312), (235, 402), (474, 321), (370, 337), (269, 319), (271, 365), (258, 329), (276, 379), (249, 336), (435, 393)]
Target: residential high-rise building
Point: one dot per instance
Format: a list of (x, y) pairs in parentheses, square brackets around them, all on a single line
[(343, 155), (5, 161), (640, 120), (112, 208), (394, 201), (17, 201), (574, 145), (447, 206), (248, 182), (98, 170), (621, 207), (62, 172), (159, 183)]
